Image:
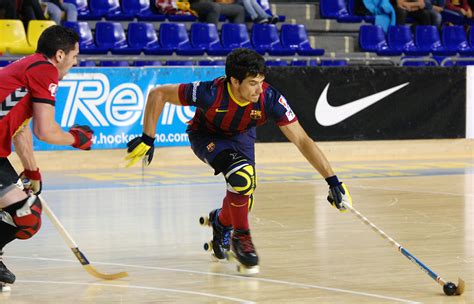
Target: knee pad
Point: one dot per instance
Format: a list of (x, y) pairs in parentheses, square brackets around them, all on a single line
[(240, 178), (25, 215)]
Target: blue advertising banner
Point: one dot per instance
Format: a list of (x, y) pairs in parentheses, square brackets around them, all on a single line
[(112, 101)]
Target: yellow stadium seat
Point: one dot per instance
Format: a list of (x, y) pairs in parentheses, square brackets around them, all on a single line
[(35, 28), (12, 33)]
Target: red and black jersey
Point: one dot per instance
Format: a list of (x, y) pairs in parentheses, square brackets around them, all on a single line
[(34, 76), (218, 112)]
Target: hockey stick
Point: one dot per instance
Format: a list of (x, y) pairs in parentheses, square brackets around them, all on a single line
[(449, 288), (72, 245)]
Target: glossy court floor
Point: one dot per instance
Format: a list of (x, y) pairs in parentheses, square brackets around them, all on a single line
[(146, 223)]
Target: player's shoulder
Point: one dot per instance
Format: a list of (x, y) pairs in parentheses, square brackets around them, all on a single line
[(271, 93), (38, 63)]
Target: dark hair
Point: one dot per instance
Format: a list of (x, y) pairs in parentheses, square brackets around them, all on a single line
[(242, 63), (56, 38)]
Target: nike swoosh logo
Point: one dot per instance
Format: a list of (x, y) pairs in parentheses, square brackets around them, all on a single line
[(327, 115), (221, 111)]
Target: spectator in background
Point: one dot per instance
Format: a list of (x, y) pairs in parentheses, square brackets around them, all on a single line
[(257, 13), (209, 11), (8, 9), (31, 10), (382, 10), (413, 8), (459, 6), (435, 7), (58, 8)]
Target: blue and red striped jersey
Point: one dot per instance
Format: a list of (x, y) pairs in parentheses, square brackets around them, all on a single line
[(219, 113)]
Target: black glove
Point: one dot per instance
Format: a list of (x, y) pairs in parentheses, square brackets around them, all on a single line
[(338, 194), (140, 147), (82, 137)]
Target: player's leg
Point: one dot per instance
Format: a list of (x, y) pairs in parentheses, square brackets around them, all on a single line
[(20, 214)]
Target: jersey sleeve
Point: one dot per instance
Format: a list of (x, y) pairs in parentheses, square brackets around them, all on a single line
[(42, 83), (198, 94), (279, 109)]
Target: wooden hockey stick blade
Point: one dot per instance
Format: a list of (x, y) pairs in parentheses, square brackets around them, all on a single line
[(461, 287), (104, 276)]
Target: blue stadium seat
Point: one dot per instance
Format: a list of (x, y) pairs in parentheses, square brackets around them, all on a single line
[(110, 9), (211, 62), (111, 35), (336, 9), (265, 39), (235, 35), (205, 36), (141, 10), (400, 40), (299, 63), (313, 62), (179, 63), (461, 62), (114, 63), (276, 63), (174, 36), (372, 38), (351, 11), (181, 18), (427, 39), (143, 36), (141, 63), (452, 17), (86, 40), (83, 11), (4, 63), (87, 63), (333, 62), (455, 39), (413, 61), (294, 36)]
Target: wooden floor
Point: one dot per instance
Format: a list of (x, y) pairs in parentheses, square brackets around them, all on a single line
[(146, 223)]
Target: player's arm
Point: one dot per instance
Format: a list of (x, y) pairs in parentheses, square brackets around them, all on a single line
[(338, 192), (142, 146), (23, 142), (47, 129)]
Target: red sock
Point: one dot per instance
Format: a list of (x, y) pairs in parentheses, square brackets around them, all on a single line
[(239, 210), (225, 218)]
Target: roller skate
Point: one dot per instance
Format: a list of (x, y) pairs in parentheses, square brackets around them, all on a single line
[(6, 276), (243, 252), (220, 244)]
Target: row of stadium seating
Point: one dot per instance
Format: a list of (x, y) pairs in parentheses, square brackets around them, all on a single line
[(427, 39), (172, 38)]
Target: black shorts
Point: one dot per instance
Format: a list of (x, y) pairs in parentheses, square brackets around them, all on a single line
[(8, 176)]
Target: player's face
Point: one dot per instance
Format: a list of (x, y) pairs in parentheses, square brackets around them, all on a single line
[(66, 61), (250, 88)]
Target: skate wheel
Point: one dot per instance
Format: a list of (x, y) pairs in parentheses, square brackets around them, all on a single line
[(242, 269), (204, 221), (5, 288), (208, 246)]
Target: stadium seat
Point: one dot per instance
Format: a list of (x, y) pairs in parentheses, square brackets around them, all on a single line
[(83, 11), (114, 63), (333, 62), (372, 38), (276, 63), (4, 63), (141, 63), (179, 63), (211, 62), (400, 40), (336, 9), (294, 36), (235, 35), (141, 10), (265, 39), (205, 36), (299, 63), (313, 62), (35, 28), (143, 36), (412, 61), (174, 36), (452, 17), (86, 39), (458, 62), (427, 39), (181, 18), (111, 35), (87, 63), (455, 39), (13, 35), (351, 11), (110, 9)]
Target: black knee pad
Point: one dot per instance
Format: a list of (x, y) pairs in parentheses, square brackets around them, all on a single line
[(26, 216)]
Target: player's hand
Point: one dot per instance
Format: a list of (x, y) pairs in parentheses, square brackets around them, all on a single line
[(140, 148), (31, 181), (82, 137), (338, 195)]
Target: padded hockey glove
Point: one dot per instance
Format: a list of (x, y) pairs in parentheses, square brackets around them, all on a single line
[(82, 137), (338, 195), (32, 181), (140, 148)]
